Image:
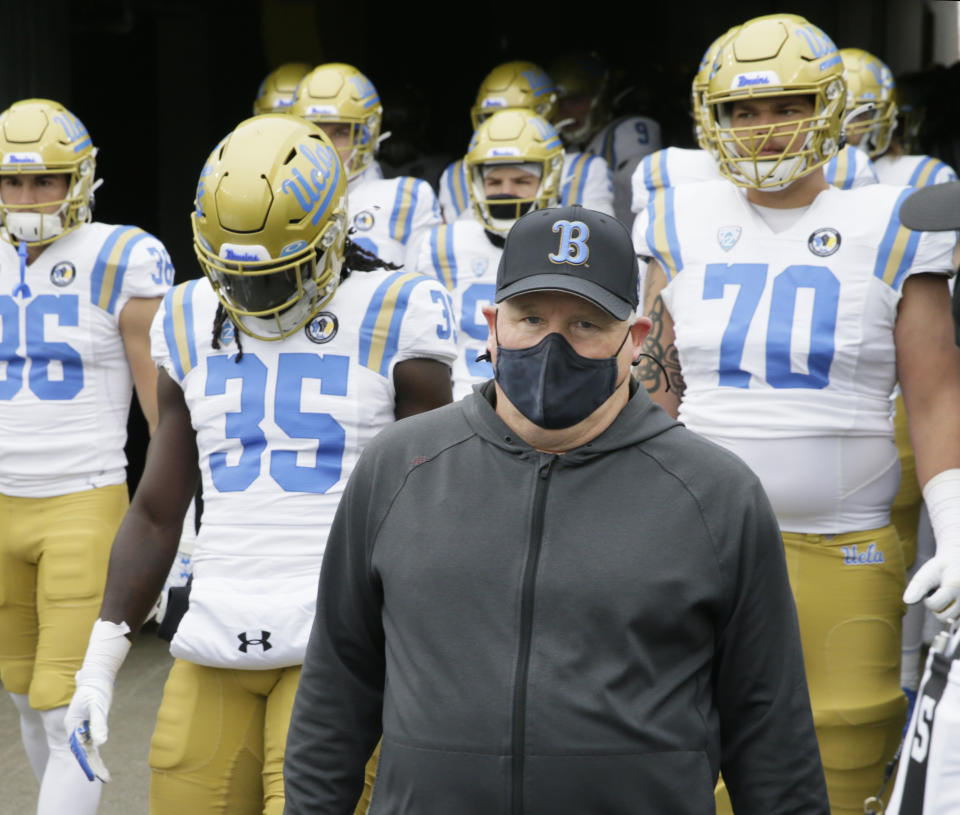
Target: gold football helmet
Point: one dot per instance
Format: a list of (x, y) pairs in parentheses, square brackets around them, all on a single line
[(775, 56), (269, 223), (515, 85), (337, 93), (584, 89), (708, 64), (42, 137), (279, 86), (871, 102), (513, 137)]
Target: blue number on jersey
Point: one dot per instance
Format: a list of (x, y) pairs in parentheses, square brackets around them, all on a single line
[(292, 370), (40, 351), (331, 370), (752, 278), (474, 297), (643, 136), (164, 272), (443, 331)]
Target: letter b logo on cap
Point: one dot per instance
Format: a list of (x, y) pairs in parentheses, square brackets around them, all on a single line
[(573, 243)]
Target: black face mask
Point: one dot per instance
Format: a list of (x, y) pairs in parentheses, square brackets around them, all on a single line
[(551, 384), (512, 210)]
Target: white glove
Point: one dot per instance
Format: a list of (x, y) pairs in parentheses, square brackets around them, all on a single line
[(941, 574), (86, 719)]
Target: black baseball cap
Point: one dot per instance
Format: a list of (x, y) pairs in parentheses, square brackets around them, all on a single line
[(575, 250), (933, 209)]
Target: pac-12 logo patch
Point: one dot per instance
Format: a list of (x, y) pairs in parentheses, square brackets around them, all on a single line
[(363, 220), (727, 237), (573, 247), (824, 242), (480, 266), (63, 274), (322, 328), (227, 332)]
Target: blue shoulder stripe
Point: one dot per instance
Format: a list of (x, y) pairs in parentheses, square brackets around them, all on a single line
[(380, 328), (923, 165), (106, 280), (897, 248), (662, 232), (178, 329), (442, 255), (404, 205)]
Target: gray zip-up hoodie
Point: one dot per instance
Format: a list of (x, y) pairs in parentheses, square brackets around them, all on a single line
[(595, 632)]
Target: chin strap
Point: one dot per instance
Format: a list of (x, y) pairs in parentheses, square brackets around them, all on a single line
[(22, 289)]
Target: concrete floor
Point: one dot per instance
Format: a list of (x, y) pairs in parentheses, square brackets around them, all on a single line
[(132, 717)]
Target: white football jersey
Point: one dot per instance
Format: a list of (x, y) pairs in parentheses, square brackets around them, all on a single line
[(278, 433), (462, 258), (390, 216), (622, 144), (674, 166), (913, 171), (586, 180), (65, 384), (788, 335)]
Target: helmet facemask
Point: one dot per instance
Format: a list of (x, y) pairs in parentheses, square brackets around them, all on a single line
[(271, 299), (810, 141)]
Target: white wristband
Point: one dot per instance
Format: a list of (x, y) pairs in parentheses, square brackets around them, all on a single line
[(106, 651), (942, 496)]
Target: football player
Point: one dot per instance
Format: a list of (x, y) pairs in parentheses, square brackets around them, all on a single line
[(277, 368), (585, 122), (786, 310), (928, 775), (388, 217), (76, 301), (277, 91), (519, 85), (871, 90), (846, 168), (513, 166)]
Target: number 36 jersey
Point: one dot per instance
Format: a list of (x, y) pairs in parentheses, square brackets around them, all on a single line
[(786, 339), (65, 384), (278, 433)]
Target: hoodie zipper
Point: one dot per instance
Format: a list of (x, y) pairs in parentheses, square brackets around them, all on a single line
[(526, 632)]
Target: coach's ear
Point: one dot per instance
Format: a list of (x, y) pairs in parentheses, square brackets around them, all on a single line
[(490, 313)]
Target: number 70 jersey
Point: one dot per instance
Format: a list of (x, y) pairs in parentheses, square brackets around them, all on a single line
[(790, 333)]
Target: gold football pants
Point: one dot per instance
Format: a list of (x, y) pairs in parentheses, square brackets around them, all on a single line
[(53, 567), (220, 739), (848, 592)]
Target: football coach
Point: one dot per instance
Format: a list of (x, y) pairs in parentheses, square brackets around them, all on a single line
[(550, 597)]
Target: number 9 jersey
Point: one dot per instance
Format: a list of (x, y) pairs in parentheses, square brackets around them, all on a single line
[(65, 384), (283, 425)]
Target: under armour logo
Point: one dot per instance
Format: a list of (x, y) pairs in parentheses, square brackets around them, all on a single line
[(263, 640), (573, 243)]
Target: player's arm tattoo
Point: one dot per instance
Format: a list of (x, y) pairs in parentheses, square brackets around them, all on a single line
[(653, 377)]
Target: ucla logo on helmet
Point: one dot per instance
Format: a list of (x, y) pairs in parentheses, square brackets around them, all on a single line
[(363, 220), (322, 328), (573, 247), (63, 274), (824, 242), (727, 237)]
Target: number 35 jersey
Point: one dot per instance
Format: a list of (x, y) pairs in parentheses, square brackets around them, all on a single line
[(278, 433), (65, 385)]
